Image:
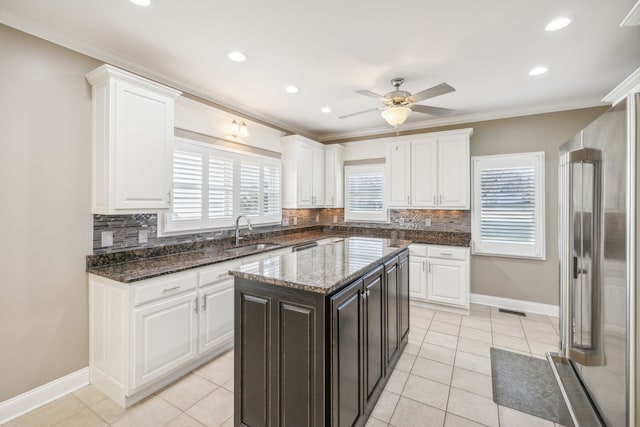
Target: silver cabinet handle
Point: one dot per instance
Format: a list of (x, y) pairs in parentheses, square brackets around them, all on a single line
[(434, 200), (408, 199), (441, 199), (171, 289), (445, 254), (364, 295), (204, 302), (169, 198), (423, 265), (195, 305), (429, 267)]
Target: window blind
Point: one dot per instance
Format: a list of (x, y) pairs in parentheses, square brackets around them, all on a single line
[(187, 186), (507, 213), (249, 187), (364, 198), (508, 205), (220, 187), (271, 190)]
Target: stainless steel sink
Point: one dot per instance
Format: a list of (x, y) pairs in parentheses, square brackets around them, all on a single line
[(253, 248)]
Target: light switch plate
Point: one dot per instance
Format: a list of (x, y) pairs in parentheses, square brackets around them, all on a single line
[(107, 238), (285, 222), (317, 219), (295, 220), (335, 219), (427, 222), (143, 236), (401, 221)]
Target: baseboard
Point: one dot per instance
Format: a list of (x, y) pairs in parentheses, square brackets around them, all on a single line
[(515, 304), (32, 399)]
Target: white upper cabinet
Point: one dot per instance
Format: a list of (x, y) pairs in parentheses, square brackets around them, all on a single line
[(303, 166), (334, 176), (133, 121), (399, 173), (429, 171)]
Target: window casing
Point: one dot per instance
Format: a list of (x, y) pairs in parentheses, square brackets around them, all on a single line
[(364, 193), (508, 213), (212, 186)]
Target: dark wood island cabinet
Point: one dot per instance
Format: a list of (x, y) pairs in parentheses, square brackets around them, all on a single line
[(318, 333)]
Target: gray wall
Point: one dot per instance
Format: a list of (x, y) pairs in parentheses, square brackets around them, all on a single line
[(45, 221)]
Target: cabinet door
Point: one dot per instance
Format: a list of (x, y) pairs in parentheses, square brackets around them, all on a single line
[(418, 277), (334, 177), (453, 175), (373, 335), (165, 337), (347, 404), (216, 316), (392, 323), (403, 289), (447, 282), (143, 130), (318, 176), (424, 173), (305, 175), (399, 174)]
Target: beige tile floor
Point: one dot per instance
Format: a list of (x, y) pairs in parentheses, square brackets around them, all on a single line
[(443, 378)]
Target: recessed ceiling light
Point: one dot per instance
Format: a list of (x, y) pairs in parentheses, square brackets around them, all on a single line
[(558, 24), (292, 89), (326, 109), (538, 70), (141, 3), (237, 56)]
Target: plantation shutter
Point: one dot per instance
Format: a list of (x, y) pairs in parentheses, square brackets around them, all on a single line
[(249, 187), (365, 193), (220, 187), (187, 186), (271, 189), (507, 213), (508, 205)]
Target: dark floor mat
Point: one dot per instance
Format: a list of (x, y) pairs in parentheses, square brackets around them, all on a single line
[(527, 384)]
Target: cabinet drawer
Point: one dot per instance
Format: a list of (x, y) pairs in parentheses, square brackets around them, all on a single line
[(216, 273), (417, 249), (448, 252), (165, 286)]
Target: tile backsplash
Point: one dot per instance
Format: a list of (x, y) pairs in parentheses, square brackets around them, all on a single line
[(125, 228)]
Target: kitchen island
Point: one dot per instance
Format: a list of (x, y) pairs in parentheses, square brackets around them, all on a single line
[(318, 332)]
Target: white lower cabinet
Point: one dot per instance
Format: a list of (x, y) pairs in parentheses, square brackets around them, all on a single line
[(216, 316), (164, 337), (439, 275), (146, 334)]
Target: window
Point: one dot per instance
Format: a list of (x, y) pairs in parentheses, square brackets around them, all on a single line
[(364, 193), (507, 214), (212, 186)]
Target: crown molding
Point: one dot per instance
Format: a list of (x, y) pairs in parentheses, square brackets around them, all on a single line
[(471, 118), (633, 17), (41, 30), (627, 86)]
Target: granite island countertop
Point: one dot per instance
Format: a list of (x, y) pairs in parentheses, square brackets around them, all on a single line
[(323, 269)]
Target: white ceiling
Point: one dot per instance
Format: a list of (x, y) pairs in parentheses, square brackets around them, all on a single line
[(331, 48)]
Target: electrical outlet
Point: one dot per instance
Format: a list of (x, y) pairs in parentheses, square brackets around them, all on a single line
[(401, 221), (427, 222), (295, 220), (335, 219), (285, 222), (143, 236), (107, 238)]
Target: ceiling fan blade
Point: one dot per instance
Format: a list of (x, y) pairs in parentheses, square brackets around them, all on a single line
[(436, 111), (359, 112), (371, 95), (437, 90)]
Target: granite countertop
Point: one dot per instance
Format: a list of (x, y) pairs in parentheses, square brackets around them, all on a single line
[(135, 270), (323, 269), (135, 265)]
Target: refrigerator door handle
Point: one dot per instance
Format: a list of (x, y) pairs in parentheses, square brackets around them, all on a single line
[(584, 342)]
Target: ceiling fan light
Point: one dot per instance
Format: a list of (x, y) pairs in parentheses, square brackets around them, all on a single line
[(396, 116)]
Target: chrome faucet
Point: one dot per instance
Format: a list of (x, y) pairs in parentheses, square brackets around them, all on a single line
[(238, 230)]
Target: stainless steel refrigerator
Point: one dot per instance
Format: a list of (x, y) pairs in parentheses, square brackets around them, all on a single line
[(596, 367)]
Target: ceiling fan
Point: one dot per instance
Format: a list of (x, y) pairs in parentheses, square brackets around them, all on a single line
[(399, 103)]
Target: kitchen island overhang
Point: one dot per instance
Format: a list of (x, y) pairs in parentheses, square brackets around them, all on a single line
[(318, 332)]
